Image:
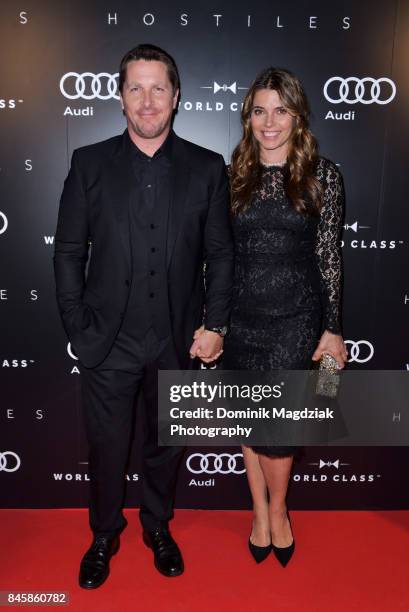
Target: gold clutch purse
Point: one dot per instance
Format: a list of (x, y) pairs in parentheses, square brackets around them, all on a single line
[(328, 376)]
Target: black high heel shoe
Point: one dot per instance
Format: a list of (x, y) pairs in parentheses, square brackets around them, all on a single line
[(284, 554), (259, 553)]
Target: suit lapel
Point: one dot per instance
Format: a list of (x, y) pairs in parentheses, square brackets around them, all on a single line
[(180, 183), (121, 180)]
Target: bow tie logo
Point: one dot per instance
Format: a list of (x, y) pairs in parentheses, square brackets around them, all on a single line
[(234, 88), (355, 226), (335, 464), (224, 87)]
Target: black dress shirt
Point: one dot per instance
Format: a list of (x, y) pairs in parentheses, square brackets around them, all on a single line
[(148, 304)]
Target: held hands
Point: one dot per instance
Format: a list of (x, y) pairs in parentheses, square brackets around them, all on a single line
[(207, 345), (333, 345)]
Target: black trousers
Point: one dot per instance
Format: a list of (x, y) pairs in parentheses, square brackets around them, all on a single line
[(108, 397)]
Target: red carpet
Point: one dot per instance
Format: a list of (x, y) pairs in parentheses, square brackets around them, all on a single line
[(344, 561)]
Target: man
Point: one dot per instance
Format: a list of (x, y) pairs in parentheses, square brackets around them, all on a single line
[(152, 209)]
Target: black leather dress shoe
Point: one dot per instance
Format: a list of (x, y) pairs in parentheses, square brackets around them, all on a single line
[(94, 569), (167, 556)]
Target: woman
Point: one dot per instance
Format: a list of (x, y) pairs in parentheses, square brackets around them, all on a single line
[(287, 214)]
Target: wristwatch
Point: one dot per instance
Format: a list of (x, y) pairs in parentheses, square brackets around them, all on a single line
[(222, 331)]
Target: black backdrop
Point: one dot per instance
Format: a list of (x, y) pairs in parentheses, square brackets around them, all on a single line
[(353, 58)]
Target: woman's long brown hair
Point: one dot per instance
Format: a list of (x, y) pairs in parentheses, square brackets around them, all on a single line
[(300, 183)]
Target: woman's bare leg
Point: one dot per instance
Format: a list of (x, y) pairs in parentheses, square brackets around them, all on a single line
[(276, 472), (260, 534)]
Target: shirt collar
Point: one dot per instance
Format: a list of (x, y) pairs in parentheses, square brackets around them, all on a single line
[(165, 150)]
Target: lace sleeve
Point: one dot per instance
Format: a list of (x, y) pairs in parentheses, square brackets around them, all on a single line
[(328, 248)]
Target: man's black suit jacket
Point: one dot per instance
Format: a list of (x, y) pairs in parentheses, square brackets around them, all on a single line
[(92, 258)]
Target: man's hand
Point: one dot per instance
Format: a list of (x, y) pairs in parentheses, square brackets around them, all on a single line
[(333, 345), (207, 345), (198, 332)]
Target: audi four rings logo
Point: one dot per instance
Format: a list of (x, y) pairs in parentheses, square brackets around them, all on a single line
[(3, 219), (353, 90), (356, 348), (89, 86), (215, 464), (9, 461)]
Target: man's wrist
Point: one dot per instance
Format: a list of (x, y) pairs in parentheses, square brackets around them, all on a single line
[(220, 330)]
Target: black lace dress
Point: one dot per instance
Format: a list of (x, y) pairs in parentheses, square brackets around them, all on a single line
[(287, 278)]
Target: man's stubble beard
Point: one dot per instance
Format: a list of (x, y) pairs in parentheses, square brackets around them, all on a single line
[(155, 132)]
